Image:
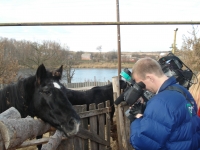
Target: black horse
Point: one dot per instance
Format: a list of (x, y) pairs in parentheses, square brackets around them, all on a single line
[(43, 96), (95, 95)]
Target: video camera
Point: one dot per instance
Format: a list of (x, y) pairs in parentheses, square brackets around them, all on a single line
[(134, 91), (171, 66)]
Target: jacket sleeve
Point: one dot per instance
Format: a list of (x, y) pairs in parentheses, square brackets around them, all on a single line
[(152, 131)]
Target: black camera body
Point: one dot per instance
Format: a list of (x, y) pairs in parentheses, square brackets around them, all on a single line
[(173, 66), (134, 91)]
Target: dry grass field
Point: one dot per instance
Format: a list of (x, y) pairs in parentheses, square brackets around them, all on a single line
[(104, 65)]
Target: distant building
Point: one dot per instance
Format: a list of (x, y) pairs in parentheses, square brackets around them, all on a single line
[(128, 58), (86, 57), (70, 56)]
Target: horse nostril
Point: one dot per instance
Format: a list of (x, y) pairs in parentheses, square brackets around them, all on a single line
[(71, 127), (71, 122)]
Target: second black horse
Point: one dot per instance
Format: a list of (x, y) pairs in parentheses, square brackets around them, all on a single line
[(95, 95)]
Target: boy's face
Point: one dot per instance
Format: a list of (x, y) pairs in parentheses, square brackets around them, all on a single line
[(147, 81)]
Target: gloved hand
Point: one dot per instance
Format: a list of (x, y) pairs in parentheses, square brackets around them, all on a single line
[(135, 110)]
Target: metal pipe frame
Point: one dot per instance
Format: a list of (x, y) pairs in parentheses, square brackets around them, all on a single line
[(101, 23)]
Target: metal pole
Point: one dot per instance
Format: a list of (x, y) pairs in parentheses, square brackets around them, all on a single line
[(118, 40), (101, 23), (174, 45)]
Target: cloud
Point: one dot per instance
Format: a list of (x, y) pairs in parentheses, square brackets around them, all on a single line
[(87, 38)]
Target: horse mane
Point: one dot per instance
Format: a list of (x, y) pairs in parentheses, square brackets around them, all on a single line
[(14, 95)]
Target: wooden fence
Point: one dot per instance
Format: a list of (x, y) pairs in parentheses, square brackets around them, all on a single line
[(85, 84), (92, 136), (77, 85), (123, 123), (97, 132)]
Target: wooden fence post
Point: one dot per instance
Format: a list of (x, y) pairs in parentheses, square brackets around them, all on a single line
[(93, 126), (122, 141), (11, 113), (12, 129), (54, 141)]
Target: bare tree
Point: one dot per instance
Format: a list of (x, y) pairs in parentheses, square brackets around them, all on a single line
[(112, 55), (99, 48), (70, 71), (8, 67), (78, 55), (46, 53), (190, 51), (65, 58), (32, 54)]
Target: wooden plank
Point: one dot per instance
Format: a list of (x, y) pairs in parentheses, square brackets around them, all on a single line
[(85, 134), (2, 147), (119, 116), (77, 140), (33, 142), (122, 127), (11, 113), (94, 112), (118, 127), (13, 129), (116, 94), (101, 129), (54, 141), (127, 127), (108, 128), (93, 127), (81, 88), (66, 144), (84, 122)]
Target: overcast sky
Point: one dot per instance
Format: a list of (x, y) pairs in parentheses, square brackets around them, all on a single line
[(88, 38)]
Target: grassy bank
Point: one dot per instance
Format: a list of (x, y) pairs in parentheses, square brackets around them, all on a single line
[(103, 65)]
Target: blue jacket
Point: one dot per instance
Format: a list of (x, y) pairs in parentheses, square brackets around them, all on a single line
[(168, 123)]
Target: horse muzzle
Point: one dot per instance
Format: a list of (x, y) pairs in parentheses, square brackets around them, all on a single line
[(71, 128)]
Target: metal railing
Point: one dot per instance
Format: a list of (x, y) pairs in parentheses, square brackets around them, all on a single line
[(101, 23)]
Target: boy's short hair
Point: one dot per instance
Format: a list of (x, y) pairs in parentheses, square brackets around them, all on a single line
[(147, 65)]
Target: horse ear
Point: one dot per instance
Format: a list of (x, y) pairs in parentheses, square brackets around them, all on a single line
[(58, 73), (40, 74)]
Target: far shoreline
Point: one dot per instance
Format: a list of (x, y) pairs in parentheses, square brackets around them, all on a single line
[(104, 65)]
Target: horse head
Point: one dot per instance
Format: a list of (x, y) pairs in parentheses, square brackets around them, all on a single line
[(51, 103)]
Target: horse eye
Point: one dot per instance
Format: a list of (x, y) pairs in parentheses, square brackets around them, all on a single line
[(47, 92)]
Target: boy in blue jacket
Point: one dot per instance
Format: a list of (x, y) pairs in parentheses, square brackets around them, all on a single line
[(169, 121)]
